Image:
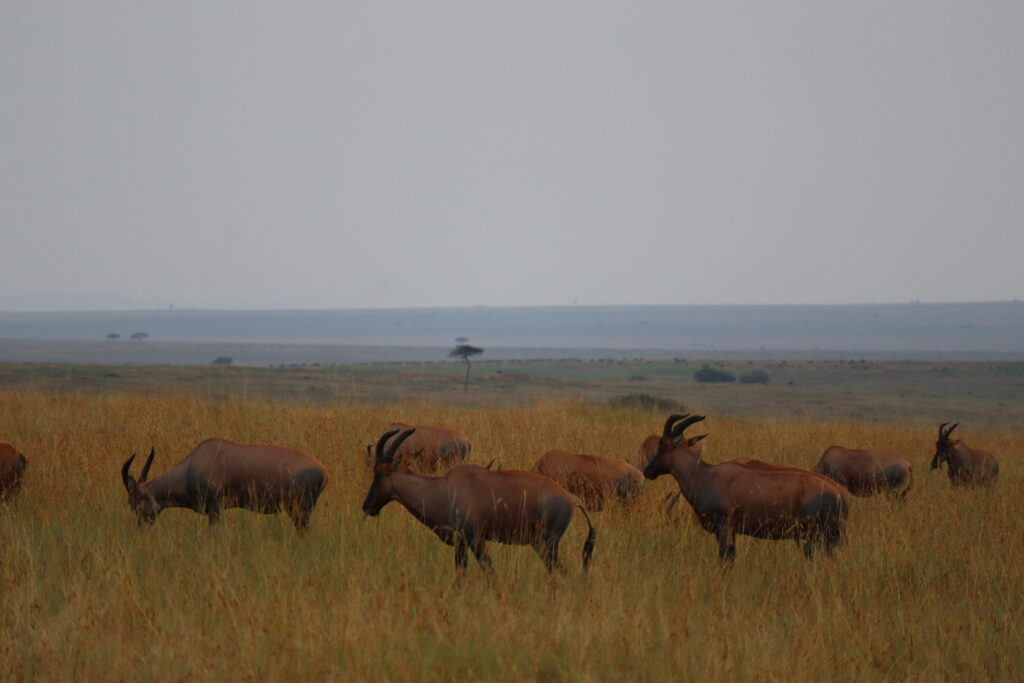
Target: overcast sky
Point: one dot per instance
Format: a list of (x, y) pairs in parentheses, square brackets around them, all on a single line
[(377, 154)]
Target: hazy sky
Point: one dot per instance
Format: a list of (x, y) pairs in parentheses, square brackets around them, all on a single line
[(365, 154)]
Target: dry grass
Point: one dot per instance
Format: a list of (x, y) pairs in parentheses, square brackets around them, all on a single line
[(925, 591)]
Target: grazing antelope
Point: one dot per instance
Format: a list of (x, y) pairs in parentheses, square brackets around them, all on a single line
[(967, 466), (752, 498), (429, 448), (12, 466), (220, 474), (592, 477), (865, 473), (470, 505)]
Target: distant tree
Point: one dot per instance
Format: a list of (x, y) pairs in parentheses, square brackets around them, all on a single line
[(756, 377), (222, 360), (710, 374), (113, 336), (465, 351), (139, 336)]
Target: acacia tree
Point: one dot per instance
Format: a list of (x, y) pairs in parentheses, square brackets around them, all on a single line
[(113, 336), (139, 336), (465, 351)]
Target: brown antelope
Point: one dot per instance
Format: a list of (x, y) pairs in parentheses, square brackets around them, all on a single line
[(865, 473), (220, 474), (649, 449), (12, 466), (429, 448), (592, 477), (755, 499), (470, 505), (967, 466)]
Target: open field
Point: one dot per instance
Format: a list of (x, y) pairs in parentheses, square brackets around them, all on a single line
[(989, 394), (926, 591), (993, 326)]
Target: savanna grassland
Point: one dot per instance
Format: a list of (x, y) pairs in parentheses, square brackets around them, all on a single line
[(989, 393), (926, 590)]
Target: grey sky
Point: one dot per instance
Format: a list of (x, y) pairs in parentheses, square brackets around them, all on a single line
[(251, 154)]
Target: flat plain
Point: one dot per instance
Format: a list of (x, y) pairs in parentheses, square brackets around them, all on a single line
[(926, 590)]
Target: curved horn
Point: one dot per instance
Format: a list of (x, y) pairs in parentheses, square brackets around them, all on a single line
[(672, 419), (950, 430), (379, 450), (129, 483), (390, 454), (941, 427), (681, 427), (145, 468)]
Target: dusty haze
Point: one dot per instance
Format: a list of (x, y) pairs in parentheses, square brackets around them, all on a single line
[(250, 155)]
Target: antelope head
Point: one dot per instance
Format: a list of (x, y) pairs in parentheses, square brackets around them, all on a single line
[(942, 445), (385, 464), (139, 498), (672, 438)]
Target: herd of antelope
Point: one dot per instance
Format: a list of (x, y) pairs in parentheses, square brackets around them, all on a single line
[(468, 505)]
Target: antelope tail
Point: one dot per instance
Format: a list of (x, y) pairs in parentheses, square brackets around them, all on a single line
[(588, 545)]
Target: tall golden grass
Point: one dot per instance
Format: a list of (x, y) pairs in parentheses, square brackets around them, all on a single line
[(927, 590)]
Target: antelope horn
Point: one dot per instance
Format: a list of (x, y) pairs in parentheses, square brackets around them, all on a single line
[(941, 427), (390, 454), (672, 419), (145, 468), (950, 430), (379, 451), (129, 483), (681, 427)]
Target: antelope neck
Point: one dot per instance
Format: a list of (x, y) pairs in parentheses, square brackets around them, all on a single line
[(687, 468), (169, 489), (412, 490), (957, 454)]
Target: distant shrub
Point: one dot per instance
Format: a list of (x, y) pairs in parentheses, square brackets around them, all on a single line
[(638, 378), (222, 360), (756, 377), (710, 374), (646, 402)]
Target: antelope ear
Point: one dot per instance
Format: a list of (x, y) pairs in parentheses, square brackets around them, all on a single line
[(696, 439)]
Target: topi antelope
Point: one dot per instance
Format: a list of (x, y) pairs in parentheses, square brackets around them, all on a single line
[(12, 467), (220, 474), (752, 498), (865, 473), (470, 505), (429, 448), (649, 449), (592, 477), (967, 466)]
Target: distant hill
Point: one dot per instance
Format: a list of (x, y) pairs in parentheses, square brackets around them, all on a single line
[(693, 330)]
